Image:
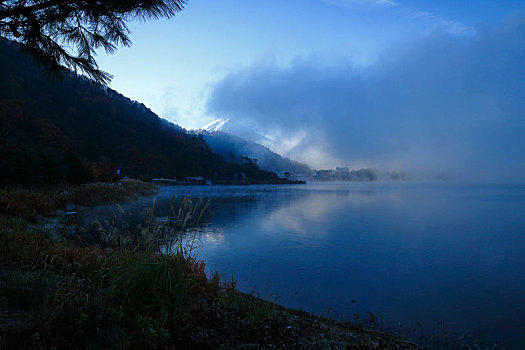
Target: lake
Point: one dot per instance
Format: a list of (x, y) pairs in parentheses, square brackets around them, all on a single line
[(442, 257)]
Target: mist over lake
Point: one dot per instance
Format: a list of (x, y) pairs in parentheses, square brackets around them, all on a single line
[(442, 257)]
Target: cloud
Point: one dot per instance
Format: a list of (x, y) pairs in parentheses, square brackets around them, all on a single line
[(435, 22), (431, 21), (440, 104)]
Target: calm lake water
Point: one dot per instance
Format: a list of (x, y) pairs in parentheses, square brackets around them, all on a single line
[(441, 255)]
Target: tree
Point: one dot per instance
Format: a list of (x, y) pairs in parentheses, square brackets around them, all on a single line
[(67, 33)]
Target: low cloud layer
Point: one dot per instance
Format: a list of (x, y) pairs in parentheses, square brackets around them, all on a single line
[(442, 104)]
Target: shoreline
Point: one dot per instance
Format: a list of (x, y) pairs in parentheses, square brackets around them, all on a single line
[(167, 182), (231, 318), (216, 312)]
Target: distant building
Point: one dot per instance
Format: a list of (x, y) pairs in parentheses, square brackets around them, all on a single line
[(325, 175), (194, 179), (164, 181), (285, 175), (342, 173)]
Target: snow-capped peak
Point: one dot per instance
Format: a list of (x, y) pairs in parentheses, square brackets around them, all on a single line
[(216, 125), (235, 128)]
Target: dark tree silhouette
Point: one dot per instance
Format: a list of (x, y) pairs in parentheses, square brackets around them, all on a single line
[(73, 131), (67, 33)]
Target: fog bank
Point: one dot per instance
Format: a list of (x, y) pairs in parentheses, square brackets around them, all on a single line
[(437, 105)]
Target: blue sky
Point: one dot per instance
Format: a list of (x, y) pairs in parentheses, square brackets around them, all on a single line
[(223, 59)]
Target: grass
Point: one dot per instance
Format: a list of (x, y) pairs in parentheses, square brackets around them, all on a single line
[(127, 292), (61, 295), (101, 193), (30, 203), (140, 287), (95, 297), (92, 297)]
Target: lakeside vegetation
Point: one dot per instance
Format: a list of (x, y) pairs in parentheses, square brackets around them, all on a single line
[(65, 296), (143, 287), (59, 294), (31, 202)]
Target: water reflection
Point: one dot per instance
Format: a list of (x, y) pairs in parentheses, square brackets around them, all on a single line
[(409, 252)]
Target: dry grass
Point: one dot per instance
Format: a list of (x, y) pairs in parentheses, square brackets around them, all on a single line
[(32, 202), (126, 293), (67, 296), (103, 193), (124, 296), (18, 202)]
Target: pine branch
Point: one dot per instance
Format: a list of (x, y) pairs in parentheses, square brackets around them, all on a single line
[(61, 32)]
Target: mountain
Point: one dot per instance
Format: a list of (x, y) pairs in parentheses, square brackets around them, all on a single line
[(75, 131), (216, 125), (235, 128), (234, 147)]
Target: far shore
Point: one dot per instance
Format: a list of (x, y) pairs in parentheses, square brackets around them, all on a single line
[(169, 182)]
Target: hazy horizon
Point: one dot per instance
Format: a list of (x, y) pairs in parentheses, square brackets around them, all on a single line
[(417, 86)]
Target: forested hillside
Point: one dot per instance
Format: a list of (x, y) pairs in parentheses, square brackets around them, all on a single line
[(234, 147), (74, 131)]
